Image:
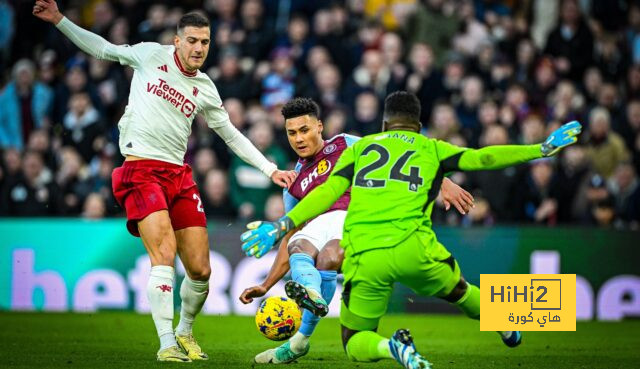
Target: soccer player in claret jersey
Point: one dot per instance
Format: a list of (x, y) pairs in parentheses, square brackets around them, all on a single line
[(314, 252), (154, 186), (394, 177)]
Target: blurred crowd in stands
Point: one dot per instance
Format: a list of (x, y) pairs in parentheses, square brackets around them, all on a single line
[(487, 72)]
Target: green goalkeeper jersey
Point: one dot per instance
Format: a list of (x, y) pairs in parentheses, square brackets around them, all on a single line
[(395, 177)]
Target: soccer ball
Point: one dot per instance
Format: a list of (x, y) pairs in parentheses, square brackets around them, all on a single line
[(278, 318)]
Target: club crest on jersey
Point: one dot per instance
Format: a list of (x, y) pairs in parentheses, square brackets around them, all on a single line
[(195, 91), (329, 149), (173, 96), (323, 167)]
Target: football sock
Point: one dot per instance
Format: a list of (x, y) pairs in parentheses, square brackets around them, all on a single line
[(160, 294), (299, 341), (193, 295), (469, 303), (303, 271), (310, 321), (368, 346)]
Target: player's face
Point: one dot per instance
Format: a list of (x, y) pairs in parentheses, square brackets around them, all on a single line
[(305, 135), (192, 45)]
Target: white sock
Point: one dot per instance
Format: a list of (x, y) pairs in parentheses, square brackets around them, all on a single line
[(193, 295), (160, 294), (298, 342), (383, 346), (505, 334)]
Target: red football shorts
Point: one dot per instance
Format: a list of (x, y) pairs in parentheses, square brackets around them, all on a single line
[(142, 187)]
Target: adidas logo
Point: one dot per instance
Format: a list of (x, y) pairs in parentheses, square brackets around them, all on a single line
[(163, 68), (129, 145)]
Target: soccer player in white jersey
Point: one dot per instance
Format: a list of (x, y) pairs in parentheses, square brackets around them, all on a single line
[(154, 186)]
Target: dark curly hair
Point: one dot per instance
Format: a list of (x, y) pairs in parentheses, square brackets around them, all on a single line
[(300, 106), (402, 104)]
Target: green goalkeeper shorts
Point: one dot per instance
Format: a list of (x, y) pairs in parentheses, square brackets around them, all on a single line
[(419, 262)]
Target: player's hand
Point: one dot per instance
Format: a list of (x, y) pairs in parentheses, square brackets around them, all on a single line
[(261, 236), (247, 296), (453, 194), (47, 10), (284, 178), (561, 137)]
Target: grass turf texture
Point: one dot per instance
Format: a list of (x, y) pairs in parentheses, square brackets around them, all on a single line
[(114, 339)]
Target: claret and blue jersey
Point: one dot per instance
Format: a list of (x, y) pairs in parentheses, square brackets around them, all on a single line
[(314, 171)]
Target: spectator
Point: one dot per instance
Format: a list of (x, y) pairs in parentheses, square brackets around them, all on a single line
[(69, 179), (83, 127), (278, 86), (274, 208), (444, 123), (25, 104), (150, 29), (605, 148), (231, 81), (371, 75), (424, 79), (571, 42), (328, 94), (6, 32), (94, 207), (250, 188), (625, 189), (205, 160), (215, 199), (256, 36), (433, 24), (540, 201), (32, 192), (367, 119), (498, 188), (467, 109)]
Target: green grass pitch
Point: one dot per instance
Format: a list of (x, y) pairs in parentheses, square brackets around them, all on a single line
[(128, 340)]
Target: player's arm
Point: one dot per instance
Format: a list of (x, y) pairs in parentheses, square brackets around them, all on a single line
[(454, 158), (279, 268), (87, 41), (261, 236), (218, 120)]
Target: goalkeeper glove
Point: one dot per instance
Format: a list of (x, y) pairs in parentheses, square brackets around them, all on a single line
[(561, 137), (261, 236)]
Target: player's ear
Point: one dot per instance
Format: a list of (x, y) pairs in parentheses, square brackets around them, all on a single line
[(176, 41), (320, 125)]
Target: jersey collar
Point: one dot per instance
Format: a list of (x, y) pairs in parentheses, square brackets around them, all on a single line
[(179, 64)]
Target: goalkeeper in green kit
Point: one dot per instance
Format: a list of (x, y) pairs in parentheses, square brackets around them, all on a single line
[(394, 178)]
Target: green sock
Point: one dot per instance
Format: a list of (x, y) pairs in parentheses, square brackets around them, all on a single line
[(470, 302), (368, 346)]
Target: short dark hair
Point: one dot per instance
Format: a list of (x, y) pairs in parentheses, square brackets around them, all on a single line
[(402, 104), (193, 19), (300, 106)]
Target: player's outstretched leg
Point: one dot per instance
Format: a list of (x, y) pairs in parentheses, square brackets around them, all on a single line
[(193, 295), (305, 285), (298, 345), (160, 294)]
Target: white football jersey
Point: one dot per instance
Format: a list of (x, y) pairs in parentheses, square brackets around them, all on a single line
[(163, 101)]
